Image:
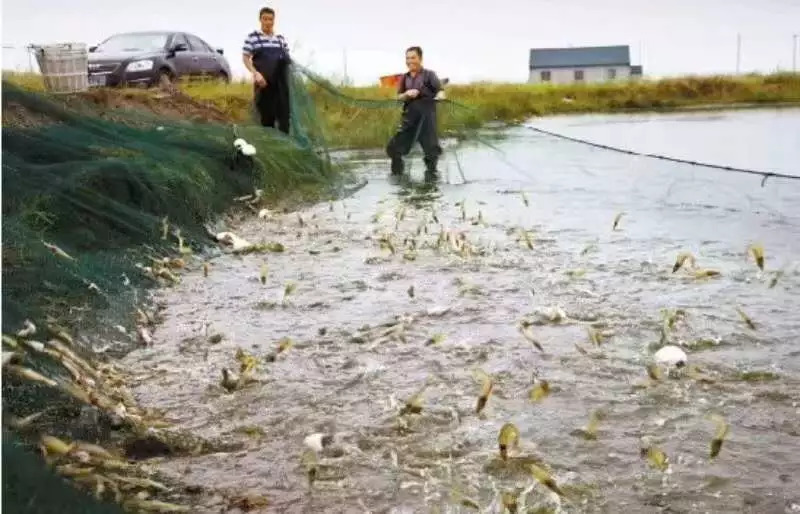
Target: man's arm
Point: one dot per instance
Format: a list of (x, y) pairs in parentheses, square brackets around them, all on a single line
[(247, 55), (247, 60)]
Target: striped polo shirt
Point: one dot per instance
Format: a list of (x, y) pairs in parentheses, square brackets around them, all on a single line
[(267, 50)]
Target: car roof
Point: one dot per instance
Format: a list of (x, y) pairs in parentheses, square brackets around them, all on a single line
[(147, 33), (168, 33)]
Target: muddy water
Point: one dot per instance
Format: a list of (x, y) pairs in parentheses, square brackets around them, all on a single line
[(345, 380)]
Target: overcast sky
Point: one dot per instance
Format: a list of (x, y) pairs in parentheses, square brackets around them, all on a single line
[(465, 40)]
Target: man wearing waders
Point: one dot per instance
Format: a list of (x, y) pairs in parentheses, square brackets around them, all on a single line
[(266, 56), (419, 90)]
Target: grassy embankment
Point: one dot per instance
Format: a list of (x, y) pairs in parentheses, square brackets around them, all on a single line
[(349, 124)]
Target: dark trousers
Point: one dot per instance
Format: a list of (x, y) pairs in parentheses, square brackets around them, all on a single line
[(272, 104), (418, 124)]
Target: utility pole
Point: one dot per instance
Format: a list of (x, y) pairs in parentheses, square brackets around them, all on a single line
[(344, 59), (794, 52), (738, 52)]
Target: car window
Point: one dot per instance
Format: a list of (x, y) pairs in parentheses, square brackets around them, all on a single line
[(208, 47), (197, 44), (179, 38), (139, 42)]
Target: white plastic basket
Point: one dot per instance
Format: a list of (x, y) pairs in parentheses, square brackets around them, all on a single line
[(64, 66)]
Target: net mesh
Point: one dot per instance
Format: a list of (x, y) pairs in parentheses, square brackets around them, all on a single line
[(98, 188)]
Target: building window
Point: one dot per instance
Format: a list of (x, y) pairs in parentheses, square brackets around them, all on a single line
[(545, 75), (578, 75), (611, 74)]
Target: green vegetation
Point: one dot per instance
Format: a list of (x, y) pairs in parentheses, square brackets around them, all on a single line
[(362, 125), (365, 117)]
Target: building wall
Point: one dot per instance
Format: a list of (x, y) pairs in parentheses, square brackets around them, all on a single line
[(590, 74)]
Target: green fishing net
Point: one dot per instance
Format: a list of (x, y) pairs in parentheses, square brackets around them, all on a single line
[(98, 187)]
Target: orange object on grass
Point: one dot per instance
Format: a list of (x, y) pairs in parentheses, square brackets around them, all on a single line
[(391, 80)]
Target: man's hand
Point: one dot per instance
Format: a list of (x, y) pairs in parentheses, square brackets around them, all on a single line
[(412, 93), (259, 80)]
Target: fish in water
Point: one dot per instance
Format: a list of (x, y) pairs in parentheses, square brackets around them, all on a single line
[(719, 435), (590, 431), (414, 404), (486, 389), (545, 479), (617, 219), (757, 251), (509, 499), (746, 319), (28, 329), (525, 330), (539, 391), (656, 458), (288, 289), (775, 277), (58, 252), (311, 465), (508, 439), (706, 273), (682, 258)]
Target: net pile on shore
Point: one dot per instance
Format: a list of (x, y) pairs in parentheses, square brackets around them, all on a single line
[(95, 187), (98, 205)]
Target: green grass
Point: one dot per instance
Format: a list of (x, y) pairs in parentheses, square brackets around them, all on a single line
[(356, 124), (349, 124)]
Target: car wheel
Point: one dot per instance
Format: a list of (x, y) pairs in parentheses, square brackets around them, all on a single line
[(164, 80), (223, 77)]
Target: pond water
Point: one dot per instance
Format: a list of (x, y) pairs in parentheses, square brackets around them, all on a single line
[(363, 343)]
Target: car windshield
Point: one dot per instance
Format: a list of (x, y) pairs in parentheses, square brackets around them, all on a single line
[(133, 43)]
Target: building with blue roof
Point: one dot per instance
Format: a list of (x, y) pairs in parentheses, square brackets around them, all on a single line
[(582, 64)]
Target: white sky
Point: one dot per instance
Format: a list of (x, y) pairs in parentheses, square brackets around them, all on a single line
[(464, 40)]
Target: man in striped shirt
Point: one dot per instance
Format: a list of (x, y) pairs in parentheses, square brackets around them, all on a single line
[(266, 56)]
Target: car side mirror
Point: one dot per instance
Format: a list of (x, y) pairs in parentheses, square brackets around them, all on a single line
[(92, 49), (220, 51), (179, 47)]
